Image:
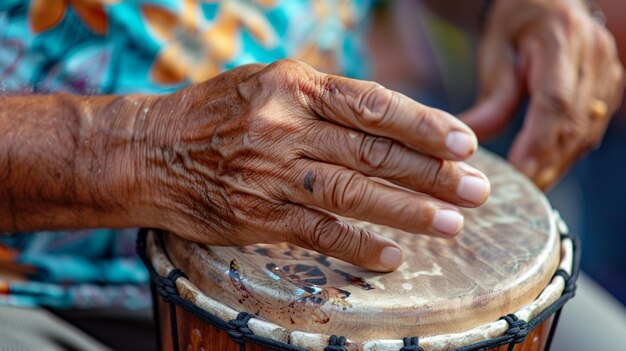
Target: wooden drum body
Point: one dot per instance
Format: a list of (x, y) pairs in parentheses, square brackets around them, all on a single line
[(497, 285)]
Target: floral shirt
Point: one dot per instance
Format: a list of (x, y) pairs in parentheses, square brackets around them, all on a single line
[(142, 46)]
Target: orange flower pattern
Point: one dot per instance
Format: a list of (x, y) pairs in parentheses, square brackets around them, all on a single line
[(45, 14), (141, 46), (195, 49), (331, 15)]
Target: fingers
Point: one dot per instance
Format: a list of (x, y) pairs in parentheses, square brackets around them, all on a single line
[(566, 79), (609, 74), (369, 107), (381, 157), (350, 194), (501, 89), (328, 235), (552, 125)]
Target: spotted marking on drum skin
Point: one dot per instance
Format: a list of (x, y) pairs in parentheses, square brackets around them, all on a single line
[(354, 280), (299, 254), (294, 253), (309, 278), (323, 260), (317, 315), (233, 273), (302, 275), (338, 297), (407, 286), (246, 296)]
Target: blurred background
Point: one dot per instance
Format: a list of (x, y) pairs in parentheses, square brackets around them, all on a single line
[(425, 49)]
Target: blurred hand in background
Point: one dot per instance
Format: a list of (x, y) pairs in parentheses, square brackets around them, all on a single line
[(563, 58)]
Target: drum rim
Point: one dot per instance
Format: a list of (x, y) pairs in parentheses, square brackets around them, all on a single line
[(518, 278), (508, 329)]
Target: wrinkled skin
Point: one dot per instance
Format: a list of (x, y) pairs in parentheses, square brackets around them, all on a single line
[(270, 154), (556, 53), (273, 154)]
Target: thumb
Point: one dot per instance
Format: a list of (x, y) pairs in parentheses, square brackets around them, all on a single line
[(501, 91)]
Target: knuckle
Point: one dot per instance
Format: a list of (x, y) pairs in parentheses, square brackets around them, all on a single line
[(374, 152), (556, 102), (264, 130), (373, 104), (433, 172), (424, 123), (330, 234), (570, 19), (282, 65), (604, 43), (284, 71), (555, 33), (346, 191), (359, 243)]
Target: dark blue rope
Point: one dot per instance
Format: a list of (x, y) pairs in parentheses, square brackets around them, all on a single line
[(240, 329), (518, 328), (411, 344), (563, 274), (166, 287), (336, 343)]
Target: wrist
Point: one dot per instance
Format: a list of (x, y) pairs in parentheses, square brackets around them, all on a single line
[(112, 144), (177, 158)]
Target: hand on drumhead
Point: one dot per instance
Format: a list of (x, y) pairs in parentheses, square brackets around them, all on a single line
[(272, 154), (563, 58)]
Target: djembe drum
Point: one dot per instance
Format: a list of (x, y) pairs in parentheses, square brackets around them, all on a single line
[(500, 284)]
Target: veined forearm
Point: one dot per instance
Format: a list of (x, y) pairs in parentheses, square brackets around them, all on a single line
[(65, 161)]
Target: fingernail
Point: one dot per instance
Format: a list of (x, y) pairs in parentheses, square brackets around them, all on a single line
[(448, 222), (546, 177), (473, 189), (461, 144), (390, 257), (530, 167)]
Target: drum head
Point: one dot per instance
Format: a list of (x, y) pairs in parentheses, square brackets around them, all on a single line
[(501, 261)]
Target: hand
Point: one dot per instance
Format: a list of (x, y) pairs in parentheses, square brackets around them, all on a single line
[(271, 154), (566, 62)]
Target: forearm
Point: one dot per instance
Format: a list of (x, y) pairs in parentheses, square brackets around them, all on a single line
[(68, 161)]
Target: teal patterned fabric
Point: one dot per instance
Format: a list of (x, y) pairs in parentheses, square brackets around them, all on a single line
[(149, 46)]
